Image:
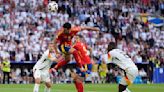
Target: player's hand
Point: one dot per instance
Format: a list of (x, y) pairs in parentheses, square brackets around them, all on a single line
[(97, 29), (83, 70), (57, 55), (52, 70)]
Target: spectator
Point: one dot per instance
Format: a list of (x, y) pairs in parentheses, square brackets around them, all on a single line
[(6, 70), (143, 75), (94, 73), (103, 69)]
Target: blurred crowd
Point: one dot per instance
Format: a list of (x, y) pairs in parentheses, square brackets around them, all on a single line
[(26, 26), (25, 76)]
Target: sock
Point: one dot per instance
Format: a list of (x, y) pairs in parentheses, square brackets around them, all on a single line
[(36, 88), (46, 89), (77, 58), (79, 86), (60, 64)]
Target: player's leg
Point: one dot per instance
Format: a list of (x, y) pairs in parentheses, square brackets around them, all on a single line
[(37, 77), (78, 81), (46, 78), (37, 84), (47, 87), (128, 79), (131, 74), (123, 83), (62, 62), (76, 56)]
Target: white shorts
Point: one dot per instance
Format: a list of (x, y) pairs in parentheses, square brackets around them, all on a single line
[(42, 74), (131, 74), (94, 74)]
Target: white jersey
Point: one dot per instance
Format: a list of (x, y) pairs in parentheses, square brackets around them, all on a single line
[(44, 63), (121, 59)]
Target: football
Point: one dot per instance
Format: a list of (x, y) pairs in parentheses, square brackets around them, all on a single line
[(53, 6)]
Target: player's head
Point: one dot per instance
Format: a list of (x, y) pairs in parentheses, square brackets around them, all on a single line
[(51, 46), (111, 46), (78, 38), (67, 27)]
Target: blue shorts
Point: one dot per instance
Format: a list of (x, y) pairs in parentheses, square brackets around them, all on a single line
[(88, 67), (64, 49)]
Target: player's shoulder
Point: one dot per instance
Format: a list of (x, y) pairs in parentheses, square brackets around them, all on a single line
[(115, 51), (59, 31), (46, 52)]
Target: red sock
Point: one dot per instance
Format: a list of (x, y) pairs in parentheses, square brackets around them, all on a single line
[(77, 58), (60, 64), (79, 86)]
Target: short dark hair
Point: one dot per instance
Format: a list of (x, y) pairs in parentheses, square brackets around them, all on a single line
[(67, 25), (111, 45)]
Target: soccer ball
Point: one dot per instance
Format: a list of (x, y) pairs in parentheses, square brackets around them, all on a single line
[(53, 6)]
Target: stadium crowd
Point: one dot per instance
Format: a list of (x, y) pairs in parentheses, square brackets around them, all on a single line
[(26, 27), (25, 76)]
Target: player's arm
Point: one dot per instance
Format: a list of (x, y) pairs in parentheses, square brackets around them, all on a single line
[(44, 56), (90, 28)]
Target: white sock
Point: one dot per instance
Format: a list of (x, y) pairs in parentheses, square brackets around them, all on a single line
[(46, 89), (36, 88)]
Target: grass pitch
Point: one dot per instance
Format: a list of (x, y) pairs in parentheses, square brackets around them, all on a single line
[(88, 88)]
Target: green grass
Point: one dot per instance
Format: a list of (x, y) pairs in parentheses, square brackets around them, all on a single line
[(88, 88)]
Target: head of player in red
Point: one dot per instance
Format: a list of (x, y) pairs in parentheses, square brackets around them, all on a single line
[(67, 27)]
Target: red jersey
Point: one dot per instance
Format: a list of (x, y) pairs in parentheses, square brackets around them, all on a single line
[(66, 39), (81, 47)]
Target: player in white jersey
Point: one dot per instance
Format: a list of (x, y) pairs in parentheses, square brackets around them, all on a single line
[(122, 60), (41, 69)]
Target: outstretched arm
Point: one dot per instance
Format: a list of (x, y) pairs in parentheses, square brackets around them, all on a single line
[(90, 28)]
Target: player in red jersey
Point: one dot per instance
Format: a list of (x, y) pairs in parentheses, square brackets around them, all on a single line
[(79, 76), (82, 49), (64, 40)]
